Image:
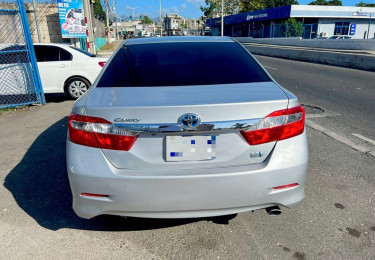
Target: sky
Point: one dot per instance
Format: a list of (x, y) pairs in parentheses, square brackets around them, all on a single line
[(186, 8)]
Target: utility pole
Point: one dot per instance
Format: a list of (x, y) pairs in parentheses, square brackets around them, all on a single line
[(107, 14), (161, 21), (37, 22), (222, 18), (114, 14), (90, 28), (89, 34), (368, 28)]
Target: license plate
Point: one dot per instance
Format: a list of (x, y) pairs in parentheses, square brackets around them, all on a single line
[(190, 148)]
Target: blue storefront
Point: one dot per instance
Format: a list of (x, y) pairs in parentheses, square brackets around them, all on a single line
[(315, 21), (258, 24)]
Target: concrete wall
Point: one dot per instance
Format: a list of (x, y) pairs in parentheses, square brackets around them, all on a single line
[(99, 30), (314, 43), (326, 26), (49, 23), (10, 22), (349, 60)]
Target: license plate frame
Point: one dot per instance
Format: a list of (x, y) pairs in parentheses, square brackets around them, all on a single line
[(190, 148)]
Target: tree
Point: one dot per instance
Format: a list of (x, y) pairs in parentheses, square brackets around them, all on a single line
[(293, 28), (147, 20), (363, 4), (213, 8), (277, 3), (324, 2), (252, 5), (98, 11), (209, 10)]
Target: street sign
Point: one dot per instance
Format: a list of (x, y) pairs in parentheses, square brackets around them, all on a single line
[(72, 18)]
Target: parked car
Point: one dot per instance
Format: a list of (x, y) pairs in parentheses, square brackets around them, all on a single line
[(62, 68), (180, 127), (66, 69), (340, 37)]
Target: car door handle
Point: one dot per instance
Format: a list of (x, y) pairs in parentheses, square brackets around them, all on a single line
[(62, 66)]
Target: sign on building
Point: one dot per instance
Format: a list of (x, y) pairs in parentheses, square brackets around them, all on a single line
[(72, 18)]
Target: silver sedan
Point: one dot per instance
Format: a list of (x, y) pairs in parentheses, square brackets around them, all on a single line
[(180, 127)]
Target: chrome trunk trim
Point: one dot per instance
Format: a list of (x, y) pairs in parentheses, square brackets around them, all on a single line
[(204, 127)]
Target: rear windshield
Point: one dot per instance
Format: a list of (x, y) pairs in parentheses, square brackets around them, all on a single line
[(83, 51), (181, 64)]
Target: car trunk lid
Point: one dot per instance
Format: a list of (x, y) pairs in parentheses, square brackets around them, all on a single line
[(164, 105)]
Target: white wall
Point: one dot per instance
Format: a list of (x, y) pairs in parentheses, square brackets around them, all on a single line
[(328, 26)]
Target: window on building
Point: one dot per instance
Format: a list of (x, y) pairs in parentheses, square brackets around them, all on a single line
[(341, 28)]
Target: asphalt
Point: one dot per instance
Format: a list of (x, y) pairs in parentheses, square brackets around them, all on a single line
[(336, 220)]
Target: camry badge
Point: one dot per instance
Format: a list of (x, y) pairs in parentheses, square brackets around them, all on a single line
[(127, 120)]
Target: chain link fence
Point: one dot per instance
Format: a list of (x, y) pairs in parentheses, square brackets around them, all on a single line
[(19, 76)]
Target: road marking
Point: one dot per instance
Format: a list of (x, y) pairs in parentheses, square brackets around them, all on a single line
[(339, 138), (364, 138), (270, 68), (324, 114)]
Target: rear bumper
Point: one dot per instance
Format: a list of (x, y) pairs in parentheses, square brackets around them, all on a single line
[(184, 194)]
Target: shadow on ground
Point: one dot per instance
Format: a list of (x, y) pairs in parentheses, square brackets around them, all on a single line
[(40, 186), (56, 98)]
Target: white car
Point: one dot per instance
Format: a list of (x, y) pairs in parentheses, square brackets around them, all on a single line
[(66, 69), (157, 138), (340, 37)]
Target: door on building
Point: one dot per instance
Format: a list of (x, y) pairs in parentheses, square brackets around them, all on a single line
[(307, 31), (310, 31)]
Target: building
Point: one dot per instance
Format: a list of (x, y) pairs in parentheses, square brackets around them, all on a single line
[(125, 27), (175, 24), (318, 21)]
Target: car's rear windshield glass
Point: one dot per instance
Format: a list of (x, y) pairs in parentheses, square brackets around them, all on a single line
[(83, 51), (181, 64)]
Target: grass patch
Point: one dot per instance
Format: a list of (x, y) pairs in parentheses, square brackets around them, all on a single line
[(10, 109), (111, 47)]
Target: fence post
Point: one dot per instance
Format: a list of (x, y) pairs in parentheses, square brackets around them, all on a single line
[(286, 31), (31, 52)]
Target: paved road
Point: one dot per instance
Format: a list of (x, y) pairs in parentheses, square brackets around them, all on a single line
[(336, 220)]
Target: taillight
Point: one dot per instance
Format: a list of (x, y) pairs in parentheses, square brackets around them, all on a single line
[(99, 133), (277, 126), (101, 63)]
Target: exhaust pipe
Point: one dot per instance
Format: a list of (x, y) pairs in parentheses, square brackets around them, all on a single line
[(273, 211)]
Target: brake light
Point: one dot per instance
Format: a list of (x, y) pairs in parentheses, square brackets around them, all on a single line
[(279, 125), (101, 63), (99, 133)]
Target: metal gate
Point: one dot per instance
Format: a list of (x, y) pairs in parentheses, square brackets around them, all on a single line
[(19, 76)]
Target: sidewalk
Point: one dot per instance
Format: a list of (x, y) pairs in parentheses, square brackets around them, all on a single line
[(106, 51)]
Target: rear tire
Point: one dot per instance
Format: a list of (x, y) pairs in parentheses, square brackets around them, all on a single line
[(77, 87)]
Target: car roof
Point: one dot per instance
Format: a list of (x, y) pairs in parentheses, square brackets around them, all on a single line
[(53, 44), (178, 39)]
